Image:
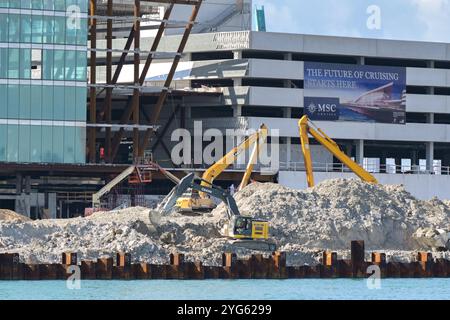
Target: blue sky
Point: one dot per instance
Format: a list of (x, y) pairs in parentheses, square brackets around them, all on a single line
[(422, 20)]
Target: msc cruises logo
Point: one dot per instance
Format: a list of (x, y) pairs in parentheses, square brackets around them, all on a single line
[(312, 107), (322, 108)]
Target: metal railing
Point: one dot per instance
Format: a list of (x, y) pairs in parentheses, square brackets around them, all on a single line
[(386, 169)]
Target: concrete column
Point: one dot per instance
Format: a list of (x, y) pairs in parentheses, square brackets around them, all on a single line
[(348, 150), (430, 64), (359, 156), (361, 60), (19, 183), (288, 56), (288, 83), (430, 155), (287, 113), (237, 82), (52, 205), (237, 111), (27, 184), (237, 54), (414, 158), (430, 117), (187, 56), (188, 112), (288, 150)]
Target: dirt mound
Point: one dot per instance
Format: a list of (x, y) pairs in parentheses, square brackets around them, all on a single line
[(335, 212), (6, 214), (303, 222)]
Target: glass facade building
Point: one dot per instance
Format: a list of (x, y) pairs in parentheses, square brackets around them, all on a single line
[(43, 80)]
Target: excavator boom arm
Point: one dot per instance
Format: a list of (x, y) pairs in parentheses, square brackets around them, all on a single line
[(262, 137), (303, 127), (332, 147), (222, 164)]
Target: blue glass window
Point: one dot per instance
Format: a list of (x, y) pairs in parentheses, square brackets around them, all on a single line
[(25, 28), (12, 150), (36, 144), (81, 65), (36, 4), (60, 5), (69, 144), (3, 62), (59, 30), (47, 64), (47, 96), (13, 63), (36, 102), (81, 99), (58, 144), (3, 141), (25, 64), (48, 25), (70, 104), (58, 103), (13, 102), (47, 144), (58, 65), (14, 28), (3, 27), (37, 29), (3, 101), (25, 102), (70, 65), (24, 145)]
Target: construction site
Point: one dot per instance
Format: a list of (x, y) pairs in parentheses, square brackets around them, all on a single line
[(110, 195)]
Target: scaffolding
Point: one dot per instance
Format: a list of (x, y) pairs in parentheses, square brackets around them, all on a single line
[(103, 15)]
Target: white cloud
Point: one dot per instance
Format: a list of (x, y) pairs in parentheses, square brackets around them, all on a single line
[(435, 15), (279, 18), (426, 20)]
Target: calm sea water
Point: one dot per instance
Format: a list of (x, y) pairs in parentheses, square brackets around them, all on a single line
[(340, 289)]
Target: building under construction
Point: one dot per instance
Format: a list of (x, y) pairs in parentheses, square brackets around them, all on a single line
[(110, 90), (75, 126)]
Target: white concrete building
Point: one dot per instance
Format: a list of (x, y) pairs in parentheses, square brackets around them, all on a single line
[(260, 80)]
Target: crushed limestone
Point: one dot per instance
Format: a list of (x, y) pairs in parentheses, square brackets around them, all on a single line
[(303, 223)]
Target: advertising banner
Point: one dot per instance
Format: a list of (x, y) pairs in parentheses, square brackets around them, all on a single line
[(355, 93)]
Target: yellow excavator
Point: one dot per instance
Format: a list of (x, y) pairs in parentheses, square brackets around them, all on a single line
[(307, 127), (243, 231), (195, 202)]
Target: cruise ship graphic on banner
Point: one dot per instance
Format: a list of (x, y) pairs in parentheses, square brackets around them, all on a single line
[(379, 105)]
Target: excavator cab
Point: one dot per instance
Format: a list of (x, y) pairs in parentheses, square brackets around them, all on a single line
[(192, 204), (249, 228), (200, 202)]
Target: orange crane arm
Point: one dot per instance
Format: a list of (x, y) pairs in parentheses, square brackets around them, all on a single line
[(331, 146)]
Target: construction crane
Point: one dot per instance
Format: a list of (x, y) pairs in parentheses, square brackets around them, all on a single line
[(198, 202), (307, 127), (244, 231)]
